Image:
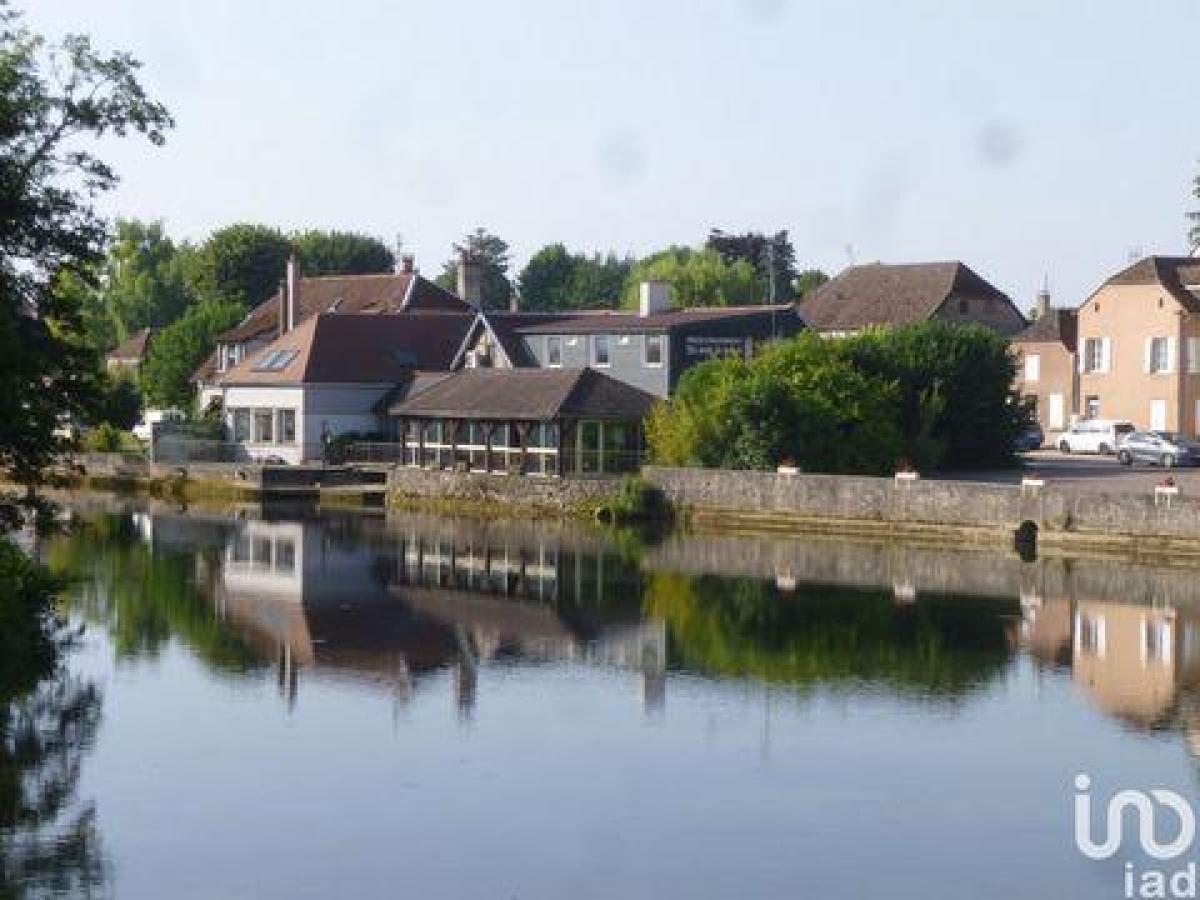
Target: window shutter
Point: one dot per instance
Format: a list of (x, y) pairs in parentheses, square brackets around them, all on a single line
[(1147, 353), (1106, 355), (1081, 356), (1172, 350)]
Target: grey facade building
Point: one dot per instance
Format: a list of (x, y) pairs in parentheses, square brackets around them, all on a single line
[(649, 349)]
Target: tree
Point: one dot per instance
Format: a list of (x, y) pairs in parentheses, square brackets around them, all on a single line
[(142, 284), (57, 102), (242, 263), (181, 347), (808, 281), (697, 278), (1194, 217), (340, 253), (770, 256), (556, 279), (120, 402), (491, 252)]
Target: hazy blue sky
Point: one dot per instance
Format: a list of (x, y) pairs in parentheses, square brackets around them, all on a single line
[(1022, 136)]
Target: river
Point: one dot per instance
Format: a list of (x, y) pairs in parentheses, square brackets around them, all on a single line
[(295, 706)]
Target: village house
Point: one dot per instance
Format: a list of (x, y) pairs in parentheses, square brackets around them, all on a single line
[(648, 348), (1047, 373), (1138, 351), (877, 295), (129, 355)]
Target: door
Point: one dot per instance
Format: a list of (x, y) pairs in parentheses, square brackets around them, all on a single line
[(1055, 418), (1158, 415)]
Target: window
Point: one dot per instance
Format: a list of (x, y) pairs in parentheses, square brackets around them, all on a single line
[(963, 306), (1056, 416), (1090, 634), (600, 354), (654, 349), (287, 426), (1091, 408), (1158, 355), (241, 424), (1193, 355), (1158, 415), (1156, 642), (1033, 367), (263, 432), (285, 556), (275, 361), (554, 351), (1096, 354)]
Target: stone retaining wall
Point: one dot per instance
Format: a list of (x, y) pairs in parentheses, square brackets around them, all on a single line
[(549, 494)]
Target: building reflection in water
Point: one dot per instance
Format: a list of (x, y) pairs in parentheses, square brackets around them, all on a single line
[(356, 600)]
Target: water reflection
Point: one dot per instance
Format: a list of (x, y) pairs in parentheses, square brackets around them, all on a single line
[(387, 603)]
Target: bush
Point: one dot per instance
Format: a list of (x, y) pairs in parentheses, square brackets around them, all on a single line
[(106, 438)]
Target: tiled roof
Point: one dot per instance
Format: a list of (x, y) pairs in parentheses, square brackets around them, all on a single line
[(1056, 325), (134, 347), (382, 293), (207, 370), (527, 394), (1175, 273), (879, 294), (337, 348), (624, 321)]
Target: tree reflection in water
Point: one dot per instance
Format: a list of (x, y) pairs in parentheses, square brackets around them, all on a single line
[(935, 646)]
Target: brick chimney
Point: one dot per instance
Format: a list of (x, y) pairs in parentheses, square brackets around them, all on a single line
[(292, 288), (1043, 302), (407, 264), (654, 297), (470, 278)]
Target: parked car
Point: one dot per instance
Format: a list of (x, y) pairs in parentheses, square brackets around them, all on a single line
[(1030, 440), (144, 429), (1103, 436), (1159, 448)]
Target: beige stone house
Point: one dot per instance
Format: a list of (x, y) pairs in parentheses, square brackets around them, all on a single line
[(891, 295), (1138, 350), (1047, 371)]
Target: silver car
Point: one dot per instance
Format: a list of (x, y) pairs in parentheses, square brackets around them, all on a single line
[(1159, 448)]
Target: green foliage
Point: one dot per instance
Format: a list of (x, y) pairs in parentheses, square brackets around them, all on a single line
[(957, 405), (120, 402), (772, 257), (799, 401), (242, 263), (808, 281), (27, 622), (57, 102), (633, 501), (106, 438), (340, 253), (142, 284), (697, 278), (493, 255), (556, 279), (181, 347)]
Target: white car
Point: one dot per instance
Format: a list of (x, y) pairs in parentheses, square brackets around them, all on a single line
[(1101, 436), (144, 429)]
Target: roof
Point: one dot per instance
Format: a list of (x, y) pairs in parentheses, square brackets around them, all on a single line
[(134, 347), (879, 294), (626, 321), (1180, 275), (207, 370), (1056, 325), (527, 394), (338, 348), (382, 293)]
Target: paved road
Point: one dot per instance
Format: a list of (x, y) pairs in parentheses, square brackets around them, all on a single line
[(1103, 473)]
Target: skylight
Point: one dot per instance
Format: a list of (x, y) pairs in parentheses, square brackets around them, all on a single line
[(275, 361)]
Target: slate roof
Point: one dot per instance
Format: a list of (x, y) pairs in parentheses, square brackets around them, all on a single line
[(337, 348), (134, 347), (1056, 325), (605, 321), (879, 294), (527, 394), (382, 293), (1175, 273)]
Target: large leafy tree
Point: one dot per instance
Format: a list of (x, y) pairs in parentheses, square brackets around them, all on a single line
[(142, 284), (181, 347), (243, 263), (492, 254), (773, 258), (56, 102), (556, 279), (808, 281), (697, 278), (341, 253)]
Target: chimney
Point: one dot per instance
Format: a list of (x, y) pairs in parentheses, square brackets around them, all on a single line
[(514, 301), (281, 313), (470, 279), (291, 292), (408, 264), (1043, 302), (655, 297)]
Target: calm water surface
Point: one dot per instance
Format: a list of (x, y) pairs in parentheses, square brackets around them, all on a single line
[(302, 707)]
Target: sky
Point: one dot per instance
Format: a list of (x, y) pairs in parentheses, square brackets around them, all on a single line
[(1031, 139)]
